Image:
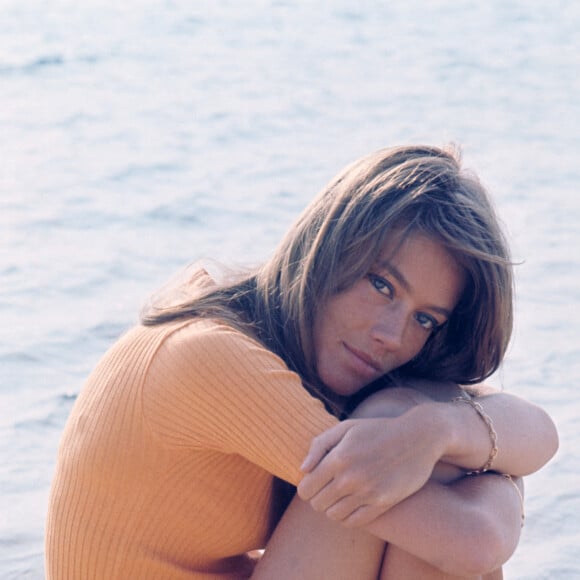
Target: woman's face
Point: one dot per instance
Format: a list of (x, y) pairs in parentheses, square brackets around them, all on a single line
[(384, 320)]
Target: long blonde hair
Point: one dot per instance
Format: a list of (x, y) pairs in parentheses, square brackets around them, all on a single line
[(338, 238)]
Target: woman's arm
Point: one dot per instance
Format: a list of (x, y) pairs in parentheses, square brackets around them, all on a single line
[(360, 468), (469, 527), (526, 436)]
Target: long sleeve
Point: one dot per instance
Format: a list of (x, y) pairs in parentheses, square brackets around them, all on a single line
[(167, 464)]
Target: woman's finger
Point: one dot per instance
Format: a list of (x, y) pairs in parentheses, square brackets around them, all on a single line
[(322, 444), (363, 515), (315, 482), (343, 508), (322, 502)]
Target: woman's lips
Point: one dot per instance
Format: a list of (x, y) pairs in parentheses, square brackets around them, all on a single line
[(364, 361)]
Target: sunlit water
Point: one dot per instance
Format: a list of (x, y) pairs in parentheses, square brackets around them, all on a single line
[(137, 137)]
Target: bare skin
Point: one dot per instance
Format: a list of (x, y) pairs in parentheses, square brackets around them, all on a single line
[(308, 545), (360, 468)]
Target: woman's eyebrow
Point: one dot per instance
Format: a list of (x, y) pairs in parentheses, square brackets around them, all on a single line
[(398, 275)]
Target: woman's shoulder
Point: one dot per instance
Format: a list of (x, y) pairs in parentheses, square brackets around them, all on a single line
[(197, 332), (214, 342), (206, 363)]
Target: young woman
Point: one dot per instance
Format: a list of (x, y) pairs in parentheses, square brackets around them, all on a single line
[(336, 368)]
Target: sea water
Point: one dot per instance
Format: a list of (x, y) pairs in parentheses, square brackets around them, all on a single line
[(136, 137)]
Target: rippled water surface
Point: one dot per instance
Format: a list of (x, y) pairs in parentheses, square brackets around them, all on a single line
[(137, 137)]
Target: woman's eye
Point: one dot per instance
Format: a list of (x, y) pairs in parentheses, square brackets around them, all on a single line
[(382, 285), (427, 322)]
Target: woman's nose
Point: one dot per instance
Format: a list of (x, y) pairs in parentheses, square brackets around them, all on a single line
[(389, 329)]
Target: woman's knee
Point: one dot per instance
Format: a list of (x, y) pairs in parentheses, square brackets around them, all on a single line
[(306, 544)]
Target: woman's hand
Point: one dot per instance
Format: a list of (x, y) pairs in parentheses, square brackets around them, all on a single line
[(360, 468)]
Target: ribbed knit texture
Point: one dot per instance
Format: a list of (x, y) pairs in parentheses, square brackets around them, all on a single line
[(166, 464)]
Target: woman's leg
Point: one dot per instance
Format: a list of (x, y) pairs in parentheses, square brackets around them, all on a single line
[(309, 546), (400, 565)]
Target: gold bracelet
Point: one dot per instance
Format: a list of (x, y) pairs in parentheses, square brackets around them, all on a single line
[(492, 433), (511, 480)]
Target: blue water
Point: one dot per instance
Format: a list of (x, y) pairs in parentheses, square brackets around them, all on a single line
[(137, 137)]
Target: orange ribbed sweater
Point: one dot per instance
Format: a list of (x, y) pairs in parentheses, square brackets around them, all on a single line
[(165, 468)]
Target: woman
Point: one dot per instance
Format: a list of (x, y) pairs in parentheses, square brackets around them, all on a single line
[(393, 288)]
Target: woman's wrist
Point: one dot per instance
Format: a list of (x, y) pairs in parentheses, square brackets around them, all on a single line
[(488, 422), (437, 424), (472, 441)]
